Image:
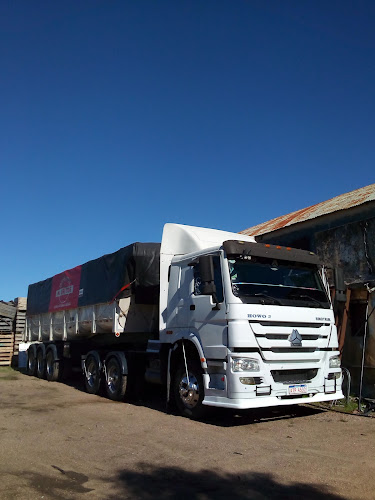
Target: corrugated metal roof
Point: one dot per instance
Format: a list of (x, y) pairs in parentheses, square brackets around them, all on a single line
[(342, 202)]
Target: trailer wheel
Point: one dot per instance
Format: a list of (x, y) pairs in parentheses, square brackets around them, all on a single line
[(92, 374), (189, 395), (40, 364), (52, 366), (31, 360), (116, 381)]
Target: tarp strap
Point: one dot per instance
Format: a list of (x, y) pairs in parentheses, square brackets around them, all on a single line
[(121, 290)]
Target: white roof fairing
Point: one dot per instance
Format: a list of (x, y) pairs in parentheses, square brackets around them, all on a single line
[(179, 239)]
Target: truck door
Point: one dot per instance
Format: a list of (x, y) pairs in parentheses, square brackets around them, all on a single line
[(207, 320)]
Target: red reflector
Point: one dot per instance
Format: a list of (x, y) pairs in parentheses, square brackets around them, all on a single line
[(203, 360), (117, 334), (278, 247), (288, 248), (169, 332), (223, 379)]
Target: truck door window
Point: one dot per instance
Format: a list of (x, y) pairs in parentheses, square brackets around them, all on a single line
[(217, 279)]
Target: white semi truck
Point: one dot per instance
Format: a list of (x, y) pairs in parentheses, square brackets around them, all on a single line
[(215, 317)]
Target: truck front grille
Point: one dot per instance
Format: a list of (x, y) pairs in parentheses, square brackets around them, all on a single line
[(294, 376)]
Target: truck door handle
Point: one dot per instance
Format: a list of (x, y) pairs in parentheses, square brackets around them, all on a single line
[(192, 307)]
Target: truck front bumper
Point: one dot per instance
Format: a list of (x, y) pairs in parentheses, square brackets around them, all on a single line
[(265, 401)]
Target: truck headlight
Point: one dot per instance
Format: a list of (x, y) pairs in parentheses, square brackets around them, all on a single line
[(334, 362), (245, 365)]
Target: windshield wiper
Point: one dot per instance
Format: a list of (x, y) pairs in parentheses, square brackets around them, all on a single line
[(304, 296), (265, 296)]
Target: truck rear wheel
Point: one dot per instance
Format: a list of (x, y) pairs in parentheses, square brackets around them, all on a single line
[(116, 381), (31, 360), (40, 364), (52, 366), (92, 374), (188, 391)]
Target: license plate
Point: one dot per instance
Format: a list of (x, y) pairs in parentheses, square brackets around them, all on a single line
[(297, 389)]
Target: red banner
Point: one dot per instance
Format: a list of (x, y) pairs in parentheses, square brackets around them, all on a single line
[(65, 290)]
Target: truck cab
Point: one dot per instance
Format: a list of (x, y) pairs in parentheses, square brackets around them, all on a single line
[(247, 325)]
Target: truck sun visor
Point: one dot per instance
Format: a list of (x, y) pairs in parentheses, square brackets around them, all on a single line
[(101, 280), (235, 247)]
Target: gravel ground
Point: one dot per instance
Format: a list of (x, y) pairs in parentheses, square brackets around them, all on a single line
[(57, 442)]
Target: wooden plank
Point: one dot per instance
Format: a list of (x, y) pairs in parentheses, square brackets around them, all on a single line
[(21, 303), (7, 310)]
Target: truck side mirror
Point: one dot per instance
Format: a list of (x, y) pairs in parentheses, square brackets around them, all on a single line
[(206, 266)]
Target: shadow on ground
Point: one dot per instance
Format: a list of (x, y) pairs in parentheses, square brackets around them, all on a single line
[(154, 398), (168, 483), (173, 482)]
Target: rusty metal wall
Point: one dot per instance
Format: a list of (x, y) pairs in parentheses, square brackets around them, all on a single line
[(351, 247)]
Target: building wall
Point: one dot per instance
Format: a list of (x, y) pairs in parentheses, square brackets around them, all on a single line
[(345, 240)]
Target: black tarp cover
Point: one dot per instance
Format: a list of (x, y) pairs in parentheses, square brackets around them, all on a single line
[(100, 281)]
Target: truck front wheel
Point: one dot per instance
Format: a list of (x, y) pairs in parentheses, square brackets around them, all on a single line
[(188, 391), (115, 385)]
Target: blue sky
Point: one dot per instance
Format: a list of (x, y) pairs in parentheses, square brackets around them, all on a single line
[(119, 116)]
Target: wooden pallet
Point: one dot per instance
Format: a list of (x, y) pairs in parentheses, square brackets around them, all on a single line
[(7, 310), (20, 303), (17, 340), (6, 349)]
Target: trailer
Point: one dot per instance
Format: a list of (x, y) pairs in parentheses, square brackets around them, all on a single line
[(214, 317)]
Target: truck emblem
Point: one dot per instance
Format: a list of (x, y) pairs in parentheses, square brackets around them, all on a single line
[(295, 338)]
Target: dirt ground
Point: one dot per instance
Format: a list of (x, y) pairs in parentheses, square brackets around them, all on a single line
[(57, 442)]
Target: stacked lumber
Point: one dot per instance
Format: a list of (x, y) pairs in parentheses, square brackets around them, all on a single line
[(12, 326), (19, 322), (6, 325), (7, 315), (6, 348)]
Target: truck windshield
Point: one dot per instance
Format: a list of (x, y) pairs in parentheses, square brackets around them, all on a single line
[(266, 281)]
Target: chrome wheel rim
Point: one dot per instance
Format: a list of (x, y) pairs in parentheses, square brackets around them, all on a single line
[(31, 361), (189, 390), (91, 373), (49, 363), (113, 377), (39, 363)]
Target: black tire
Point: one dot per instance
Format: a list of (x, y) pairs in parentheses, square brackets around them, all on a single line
[(188, 398), (31, 360), (116, 381), (40, 364), (52, 366), (92, 374)]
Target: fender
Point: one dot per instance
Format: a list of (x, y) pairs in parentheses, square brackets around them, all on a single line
[(33, 347), (120, 356), (196, 341), (53, 348), (95, 354)]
